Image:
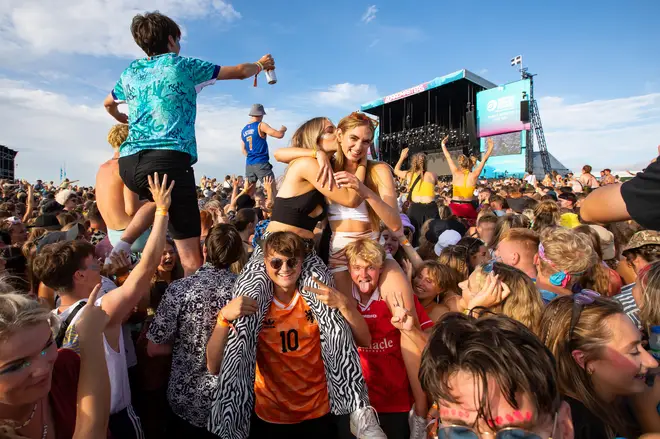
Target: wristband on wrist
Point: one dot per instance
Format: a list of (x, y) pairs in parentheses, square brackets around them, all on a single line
[(162, 211), (314, 152), (224, 323)]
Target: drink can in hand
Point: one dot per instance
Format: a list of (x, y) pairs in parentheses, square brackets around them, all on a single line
[(271, 77)]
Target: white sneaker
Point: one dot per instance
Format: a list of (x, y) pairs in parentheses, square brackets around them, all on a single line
[(417, 426), (364, 424)]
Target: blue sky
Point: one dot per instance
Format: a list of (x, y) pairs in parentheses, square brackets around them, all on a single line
[(598, 85)]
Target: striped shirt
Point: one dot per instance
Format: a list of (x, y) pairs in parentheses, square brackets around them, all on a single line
[(627, 300)]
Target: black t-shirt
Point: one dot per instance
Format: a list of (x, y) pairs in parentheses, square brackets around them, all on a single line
[(585, 424), (642, 196)]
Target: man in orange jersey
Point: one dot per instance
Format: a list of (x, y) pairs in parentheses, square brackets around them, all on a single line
[(291, 389)]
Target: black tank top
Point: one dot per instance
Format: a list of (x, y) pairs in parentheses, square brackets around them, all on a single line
[(294, 211)]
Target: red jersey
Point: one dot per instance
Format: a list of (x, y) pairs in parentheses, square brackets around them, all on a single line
[(382, 363)]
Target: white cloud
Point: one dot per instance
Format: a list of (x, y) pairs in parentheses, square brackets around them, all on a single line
[(611, 133), (369, 14), (50, 129), (345, 96), (92, 27)]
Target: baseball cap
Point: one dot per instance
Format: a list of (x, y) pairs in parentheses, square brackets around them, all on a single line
[(606, 241), (55, 237), (51, 207), (640, 239), (257, 110), (405, 221), (46, 221)]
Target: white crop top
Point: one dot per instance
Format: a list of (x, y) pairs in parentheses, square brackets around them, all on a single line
[(337, 212)]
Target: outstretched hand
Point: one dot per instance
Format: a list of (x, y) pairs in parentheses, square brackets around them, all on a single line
[(490, 143), (160, 192), (404, 153), (444, 141)]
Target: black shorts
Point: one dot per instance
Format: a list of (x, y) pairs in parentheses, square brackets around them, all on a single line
[(184, 211)]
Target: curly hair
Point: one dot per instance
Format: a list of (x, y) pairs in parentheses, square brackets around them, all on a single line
[(117, 135)]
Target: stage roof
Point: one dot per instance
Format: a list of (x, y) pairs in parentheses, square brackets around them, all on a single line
[(434, 83)]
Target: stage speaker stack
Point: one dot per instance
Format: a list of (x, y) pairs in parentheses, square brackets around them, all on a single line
[(7, 162), (524, 111)]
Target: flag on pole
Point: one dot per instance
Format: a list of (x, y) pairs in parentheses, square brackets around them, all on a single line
[(516, 60)]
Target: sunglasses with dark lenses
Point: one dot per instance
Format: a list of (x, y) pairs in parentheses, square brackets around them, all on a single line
[(580, 300), (461, 432), (276, 263)]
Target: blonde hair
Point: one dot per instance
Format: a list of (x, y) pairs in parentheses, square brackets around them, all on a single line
[(117, 135), (18, 312), (546, 214), (346, 124), (308, 134), (508, 222), (367, 250), (466, 163), (649, 281), (590, 335), (417, 166), (524, 304), (568, 251), (529, 239)]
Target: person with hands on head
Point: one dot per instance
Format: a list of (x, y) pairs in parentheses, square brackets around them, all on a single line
[(464, 180), (70, 268), (255, 145), (421, 191), (161, 118)]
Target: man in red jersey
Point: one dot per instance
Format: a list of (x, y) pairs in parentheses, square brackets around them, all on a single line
[(391, 392)]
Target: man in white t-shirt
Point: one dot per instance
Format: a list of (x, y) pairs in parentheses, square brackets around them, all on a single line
[(71, 269)]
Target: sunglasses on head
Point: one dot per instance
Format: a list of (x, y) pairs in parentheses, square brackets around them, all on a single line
[(276, 263), (580, 300), (463, 432)]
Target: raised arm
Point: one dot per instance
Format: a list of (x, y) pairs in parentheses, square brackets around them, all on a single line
[(93, 408), (482, 163), (119, 302), (272, 132), (397, 169), (30, 203), (246, 70), (450, 161)]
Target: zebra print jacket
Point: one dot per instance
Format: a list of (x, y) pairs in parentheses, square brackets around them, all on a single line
[(234, 398)]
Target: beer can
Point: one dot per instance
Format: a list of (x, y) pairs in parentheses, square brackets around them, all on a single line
[(271, 77)]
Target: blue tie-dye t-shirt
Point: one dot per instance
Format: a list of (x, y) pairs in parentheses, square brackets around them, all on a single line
[(161, 93)]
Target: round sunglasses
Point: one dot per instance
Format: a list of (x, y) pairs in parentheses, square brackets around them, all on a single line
[(276, 263)]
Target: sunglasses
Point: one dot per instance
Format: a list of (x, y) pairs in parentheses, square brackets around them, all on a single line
[(276, 263), (463, 432), (580, 300)]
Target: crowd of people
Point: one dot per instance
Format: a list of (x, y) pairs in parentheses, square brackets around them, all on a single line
[(344, 299)]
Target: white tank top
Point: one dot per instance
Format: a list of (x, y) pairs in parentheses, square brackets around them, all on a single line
[(337, 212), (120, 389)]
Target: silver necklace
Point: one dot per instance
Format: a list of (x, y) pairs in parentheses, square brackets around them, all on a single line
[(44, 429)]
